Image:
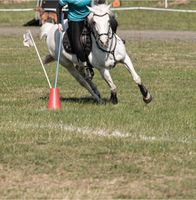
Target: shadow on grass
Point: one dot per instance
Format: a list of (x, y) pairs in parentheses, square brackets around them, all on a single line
[(81, 100)]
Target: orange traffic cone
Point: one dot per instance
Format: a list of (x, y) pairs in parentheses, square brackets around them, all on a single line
[(54, 100), (116, 3)]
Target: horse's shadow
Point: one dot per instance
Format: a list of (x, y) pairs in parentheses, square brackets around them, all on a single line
[(81, 100)]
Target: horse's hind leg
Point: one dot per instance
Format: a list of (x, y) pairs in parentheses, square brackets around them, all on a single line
[(94, 88), (47, 59), (145, 93), (86, 84)]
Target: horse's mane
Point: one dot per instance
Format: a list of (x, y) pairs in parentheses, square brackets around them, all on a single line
[(102, 9)]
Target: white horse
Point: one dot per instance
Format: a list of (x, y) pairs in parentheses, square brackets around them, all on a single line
[(107, 50)]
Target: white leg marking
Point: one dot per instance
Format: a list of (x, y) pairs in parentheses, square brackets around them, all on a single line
[(130, 68), (105, 73)]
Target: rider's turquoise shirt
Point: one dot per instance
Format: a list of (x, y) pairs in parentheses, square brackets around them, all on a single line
[(77, 9)]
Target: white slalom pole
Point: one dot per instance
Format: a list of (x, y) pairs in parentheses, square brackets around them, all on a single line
[(58, 60), (40, 59)]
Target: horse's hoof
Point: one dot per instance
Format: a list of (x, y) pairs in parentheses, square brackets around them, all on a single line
[(148, 98), (114, 102), (114, 98), (101, 102)]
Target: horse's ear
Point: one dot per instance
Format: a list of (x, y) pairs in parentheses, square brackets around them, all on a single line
[(109, 6), (91, 9), (108, 10)]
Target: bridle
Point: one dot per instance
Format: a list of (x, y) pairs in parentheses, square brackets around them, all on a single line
[(97, 36)]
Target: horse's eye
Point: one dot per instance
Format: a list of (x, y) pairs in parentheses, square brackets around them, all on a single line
[(94, 22)]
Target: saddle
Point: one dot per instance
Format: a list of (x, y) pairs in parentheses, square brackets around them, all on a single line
[(85, 39)]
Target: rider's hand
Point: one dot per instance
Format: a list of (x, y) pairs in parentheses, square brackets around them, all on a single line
[(60, 27)]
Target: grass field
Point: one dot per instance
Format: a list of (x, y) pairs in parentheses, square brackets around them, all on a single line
[(91, 151)]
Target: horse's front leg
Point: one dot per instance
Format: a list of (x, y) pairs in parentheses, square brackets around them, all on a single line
[(105, 73), (146, 95)]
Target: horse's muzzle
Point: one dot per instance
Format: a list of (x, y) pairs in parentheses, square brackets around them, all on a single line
[(104, 40)]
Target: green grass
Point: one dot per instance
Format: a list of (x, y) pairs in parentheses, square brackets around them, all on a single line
[(46, 154), (156, 20), (16, 18), (138, 20)]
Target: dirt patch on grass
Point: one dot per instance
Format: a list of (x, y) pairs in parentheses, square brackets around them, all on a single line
[(25, 184)]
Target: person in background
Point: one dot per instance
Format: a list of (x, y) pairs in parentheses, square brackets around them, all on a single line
[(77, 13)]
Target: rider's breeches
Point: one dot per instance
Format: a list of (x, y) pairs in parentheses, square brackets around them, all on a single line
[(74, 33)]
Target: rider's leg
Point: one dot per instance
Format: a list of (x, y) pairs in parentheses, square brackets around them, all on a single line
[(74, 33)]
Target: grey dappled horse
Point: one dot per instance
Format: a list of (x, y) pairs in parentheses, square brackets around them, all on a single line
[(107, 50)]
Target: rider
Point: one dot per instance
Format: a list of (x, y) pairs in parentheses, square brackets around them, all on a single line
[(77, 13)]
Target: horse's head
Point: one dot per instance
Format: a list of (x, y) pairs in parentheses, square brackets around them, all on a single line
[(99, 20)]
